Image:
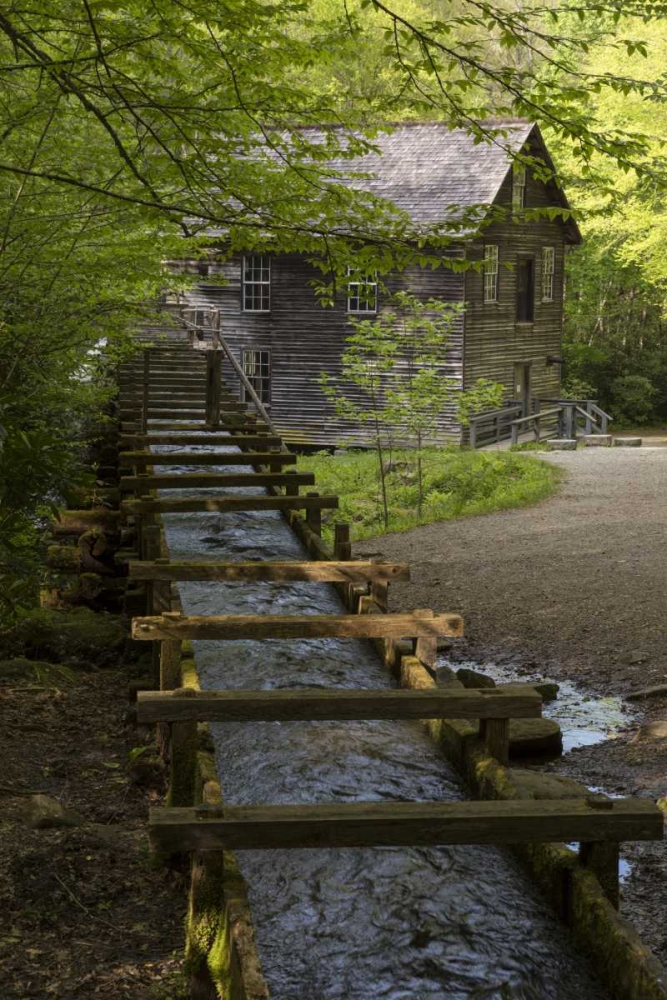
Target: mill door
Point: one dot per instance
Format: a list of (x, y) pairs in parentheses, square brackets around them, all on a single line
[(522, 386)]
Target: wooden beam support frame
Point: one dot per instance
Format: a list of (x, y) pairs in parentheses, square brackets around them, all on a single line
[(279, 572), (216, 480), (226, 627), (143, 458), (403, 824), (220, 504), (212, 438), (315, 704)]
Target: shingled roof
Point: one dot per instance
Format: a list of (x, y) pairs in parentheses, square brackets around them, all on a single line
[(426, 167)]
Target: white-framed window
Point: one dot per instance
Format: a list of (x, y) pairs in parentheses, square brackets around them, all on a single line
[(518, 186), (548, 271), (490, 273), (362, 295), (256, 283), (257, 368)]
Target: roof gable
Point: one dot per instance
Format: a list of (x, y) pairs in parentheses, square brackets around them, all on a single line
[(425, 168)]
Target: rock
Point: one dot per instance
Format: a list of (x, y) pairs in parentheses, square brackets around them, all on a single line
[(652, 731), (535, 738), (635, 657), (474, 679), (561, 444), (445, 677), (548, 689), (629, 442), (597, 440), (533, 785), (41, 812)]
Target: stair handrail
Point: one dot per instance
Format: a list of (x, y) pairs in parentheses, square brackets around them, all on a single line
[(220, 343)]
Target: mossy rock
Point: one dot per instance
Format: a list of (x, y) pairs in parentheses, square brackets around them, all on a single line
[(474, 679), (75, 636), (537, 785)]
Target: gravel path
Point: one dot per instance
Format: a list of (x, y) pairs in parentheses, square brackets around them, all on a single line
[(577, 584)]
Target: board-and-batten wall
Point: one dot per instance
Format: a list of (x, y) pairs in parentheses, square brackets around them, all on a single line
[(494, 341), (306, 339)]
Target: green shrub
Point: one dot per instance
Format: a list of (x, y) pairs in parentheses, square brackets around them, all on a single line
[(633, 399)]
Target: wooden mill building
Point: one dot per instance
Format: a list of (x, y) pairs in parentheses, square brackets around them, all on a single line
[(511, 327)]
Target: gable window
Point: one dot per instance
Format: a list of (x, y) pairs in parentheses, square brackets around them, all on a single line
[(256, 283), (548, 270), (518, 186), (525, 290), (257, 368), (490, 273), (362, 295)]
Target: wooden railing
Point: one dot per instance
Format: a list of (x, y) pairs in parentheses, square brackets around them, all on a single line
[(493, 425), (576, 411), (533, 422)]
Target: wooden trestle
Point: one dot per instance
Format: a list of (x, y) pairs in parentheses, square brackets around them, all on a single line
[(160, 395)]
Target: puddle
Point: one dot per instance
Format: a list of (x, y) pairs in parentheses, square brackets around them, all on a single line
[(585, 719)]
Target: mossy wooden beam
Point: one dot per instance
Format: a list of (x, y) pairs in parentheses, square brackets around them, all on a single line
[(402, 824), (315, 704), (222, 504), (237, 423), (212, 480), (396, 626), (212, 438), (142, 458), (315, 572)]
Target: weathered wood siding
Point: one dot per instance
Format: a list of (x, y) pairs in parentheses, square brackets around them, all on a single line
[(306, 339), (494, 341)]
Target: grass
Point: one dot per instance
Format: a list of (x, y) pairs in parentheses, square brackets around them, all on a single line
[(457, 483)]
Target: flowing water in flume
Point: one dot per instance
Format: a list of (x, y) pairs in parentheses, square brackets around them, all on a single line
[(392, 923)]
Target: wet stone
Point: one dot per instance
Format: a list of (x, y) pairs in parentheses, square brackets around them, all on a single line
[(474, 679)]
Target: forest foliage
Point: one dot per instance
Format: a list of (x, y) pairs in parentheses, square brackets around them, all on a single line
[(131, 132)]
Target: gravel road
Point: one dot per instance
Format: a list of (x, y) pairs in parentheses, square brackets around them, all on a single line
[(577, 584)]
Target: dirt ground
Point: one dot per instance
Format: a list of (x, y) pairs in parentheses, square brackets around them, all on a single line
[(575, 587), (82, 912)]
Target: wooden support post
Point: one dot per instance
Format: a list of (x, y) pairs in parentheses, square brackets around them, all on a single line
[(150, 547), (161, 588), (342, 545), (183, 747), (205, 900), (426, 646), (314, 517), (146, 390), (602, 857), (170, 679), (292, 488), (213, 388), (496, 734)]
